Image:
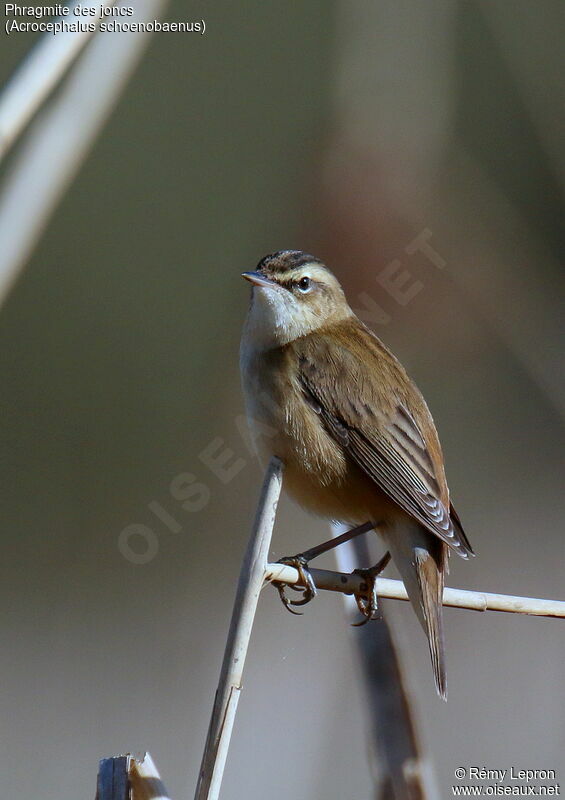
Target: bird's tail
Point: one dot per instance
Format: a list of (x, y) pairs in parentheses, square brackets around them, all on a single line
[(421, 559)]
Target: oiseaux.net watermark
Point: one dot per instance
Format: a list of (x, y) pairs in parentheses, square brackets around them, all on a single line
[(478, 781), (190, 492)]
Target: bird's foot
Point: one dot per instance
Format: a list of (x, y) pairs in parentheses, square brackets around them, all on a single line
[(308, 587), (301, 561), (369, 606)]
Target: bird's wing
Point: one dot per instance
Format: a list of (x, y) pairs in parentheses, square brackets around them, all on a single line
[(389, 434)]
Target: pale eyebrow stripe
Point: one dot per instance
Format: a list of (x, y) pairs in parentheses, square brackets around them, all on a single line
[(308, 268)]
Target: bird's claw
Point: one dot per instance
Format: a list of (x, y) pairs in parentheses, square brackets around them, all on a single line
[(369, 606), (308, 587)]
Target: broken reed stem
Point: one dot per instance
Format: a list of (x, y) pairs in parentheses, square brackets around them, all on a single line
[(251, 581), (145, 781), (129, 778), (386, 587)]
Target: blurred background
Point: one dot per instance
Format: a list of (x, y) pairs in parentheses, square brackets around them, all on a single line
[(398, 141)]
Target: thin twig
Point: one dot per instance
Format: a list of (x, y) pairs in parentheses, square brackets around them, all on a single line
[(61, 138), (386, 587), (38, 75), (249, 588)]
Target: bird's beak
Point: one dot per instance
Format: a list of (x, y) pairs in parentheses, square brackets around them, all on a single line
[(259, 280)]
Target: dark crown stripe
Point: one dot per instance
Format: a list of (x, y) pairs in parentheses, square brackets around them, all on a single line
[(284, 260)]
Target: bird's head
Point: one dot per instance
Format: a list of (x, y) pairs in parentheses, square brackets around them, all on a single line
[(293, 295)]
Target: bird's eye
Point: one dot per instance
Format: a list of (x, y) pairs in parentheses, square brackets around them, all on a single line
[(304, 284)]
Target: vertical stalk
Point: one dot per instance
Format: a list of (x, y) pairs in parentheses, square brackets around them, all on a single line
[(251, 580)]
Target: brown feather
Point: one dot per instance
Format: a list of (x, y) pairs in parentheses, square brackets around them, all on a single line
[(430, 574), (387, 430)]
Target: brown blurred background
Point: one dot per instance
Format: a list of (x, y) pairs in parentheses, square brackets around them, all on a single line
[(348, 130)]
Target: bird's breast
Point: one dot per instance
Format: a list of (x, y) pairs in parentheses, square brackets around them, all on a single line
[(283, 423), (318, 474)]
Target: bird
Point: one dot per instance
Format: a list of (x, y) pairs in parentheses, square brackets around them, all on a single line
[(356, 438)]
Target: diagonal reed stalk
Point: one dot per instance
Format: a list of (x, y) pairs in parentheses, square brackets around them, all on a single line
[(61, 137)]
